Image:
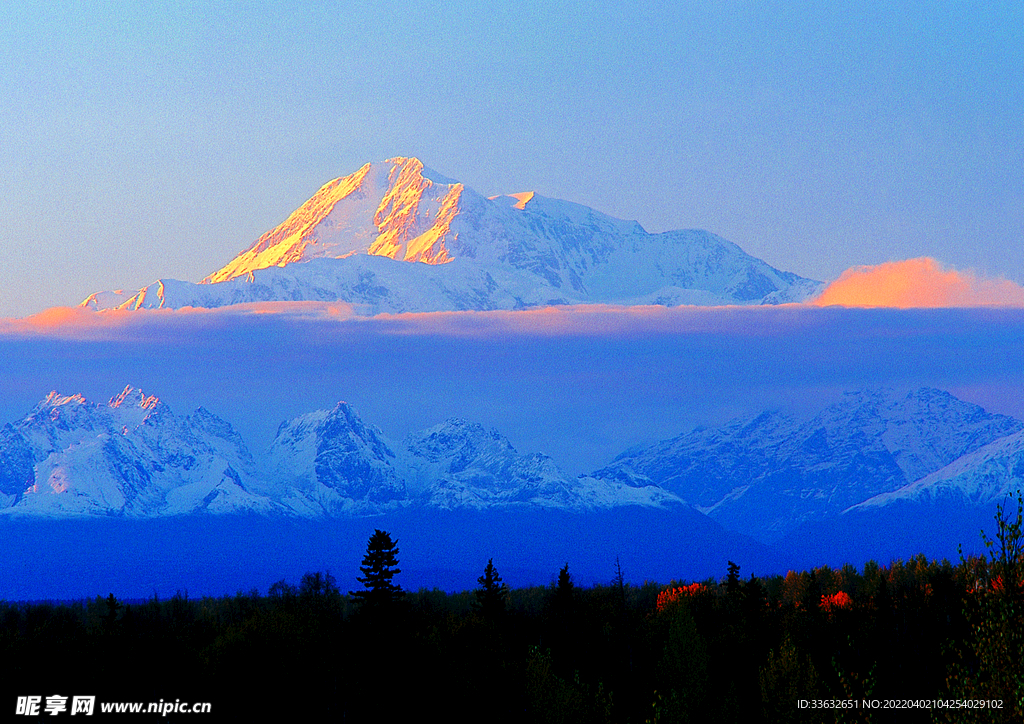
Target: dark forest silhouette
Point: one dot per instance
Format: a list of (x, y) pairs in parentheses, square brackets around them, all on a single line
[(729, 650)]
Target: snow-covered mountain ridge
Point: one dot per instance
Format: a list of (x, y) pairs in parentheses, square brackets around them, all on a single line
[(132, 457), (398, 237), (764, 476), (991, 474)]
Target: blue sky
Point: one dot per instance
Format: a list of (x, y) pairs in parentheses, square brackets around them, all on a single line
[(152, 140)]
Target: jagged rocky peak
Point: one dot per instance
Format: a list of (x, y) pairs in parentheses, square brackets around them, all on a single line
[(133, 405), (340, 428), (331, 462), (397, 209), (343, 425), (133, 397), (55, 399), (335, 463), (57, 414), (455, 436), (129, 457), (54, 403), (207, 422), (132, 457)]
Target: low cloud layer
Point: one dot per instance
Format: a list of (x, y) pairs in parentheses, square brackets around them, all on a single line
[(578, 384), (918, 283), (591, 320)]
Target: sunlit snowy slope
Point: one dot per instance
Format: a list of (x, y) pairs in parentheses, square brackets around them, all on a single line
[(397, 237)]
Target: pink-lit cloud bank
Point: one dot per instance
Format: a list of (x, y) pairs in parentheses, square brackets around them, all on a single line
[(918, 283), (571, 320)]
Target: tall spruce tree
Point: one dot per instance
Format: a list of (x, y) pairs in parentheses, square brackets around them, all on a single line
[(380, 564), (492, 595), (563, 600)]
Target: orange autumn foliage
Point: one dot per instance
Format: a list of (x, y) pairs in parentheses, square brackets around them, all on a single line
[(671, 596), (836, 602)]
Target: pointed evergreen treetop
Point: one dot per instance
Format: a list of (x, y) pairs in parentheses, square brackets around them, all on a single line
[(380, 564), (492, 595)]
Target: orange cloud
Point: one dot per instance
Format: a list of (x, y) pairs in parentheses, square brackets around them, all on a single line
[(579, 320), (82, 323), (59, 321), (918, 283)]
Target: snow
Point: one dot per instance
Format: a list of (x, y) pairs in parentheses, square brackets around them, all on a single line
[(133, 457), (130, 457), (449, 248), (990, 474), (765, 475)]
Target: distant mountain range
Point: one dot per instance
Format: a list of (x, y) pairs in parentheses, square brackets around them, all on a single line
[(768, 475), (133, 457), (129, 457), (397, 237), (765, 477), (97, 494)]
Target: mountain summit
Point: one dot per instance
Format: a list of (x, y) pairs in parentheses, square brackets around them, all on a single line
[(398, 237), (396, 209)]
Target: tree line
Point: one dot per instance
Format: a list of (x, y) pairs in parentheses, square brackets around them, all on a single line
[(734, 649)]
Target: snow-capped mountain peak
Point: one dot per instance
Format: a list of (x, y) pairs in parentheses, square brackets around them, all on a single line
[(132, 397), (396, 209), (55, 399), (130, 457), (516, 201), (330, 462), (398, 237), (766, 475)]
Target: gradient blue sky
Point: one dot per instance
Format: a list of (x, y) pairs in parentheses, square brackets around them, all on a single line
[(146, 140)]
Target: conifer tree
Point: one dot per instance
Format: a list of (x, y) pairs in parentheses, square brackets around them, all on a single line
[(564, 591), (562, 601), (732, 581), (492, 595), (380, 564), (110, 618), (563, 623)]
